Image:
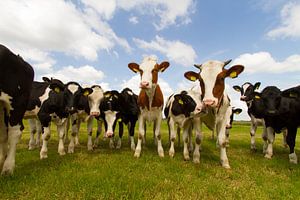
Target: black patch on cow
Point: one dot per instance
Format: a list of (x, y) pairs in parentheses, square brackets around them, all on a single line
[(183, 104)]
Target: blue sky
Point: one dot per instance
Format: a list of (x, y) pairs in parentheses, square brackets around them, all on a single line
[(92, 41)]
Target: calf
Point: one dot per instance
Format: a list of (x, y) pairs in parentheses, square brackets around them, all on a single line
[(88, 107), (281, 110), (183, 110), (212, 82), (16, 78), (122, 108), (248, 92), (150, 99), (234, 111)]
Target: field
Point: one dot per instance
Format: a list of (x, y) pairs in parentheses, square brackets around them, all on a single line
[(116, 174)]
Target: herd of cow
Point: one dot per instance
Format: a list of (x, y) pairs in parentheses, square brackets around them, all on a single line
[(70, 104)]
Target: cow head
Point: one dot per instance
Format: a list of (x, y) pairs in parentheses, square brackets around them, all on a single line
[(95, 97), (72, 95), (148, 70), (56, 95), (234, 111), (212, 80), (110, 110), (247, 90), (271, 99)]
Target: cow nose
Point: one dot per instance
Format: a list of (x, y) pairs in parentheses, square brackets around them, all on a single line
[(198, 108), (144, 84), (209, 102), (109, 134), (95, 114), (242, 98)]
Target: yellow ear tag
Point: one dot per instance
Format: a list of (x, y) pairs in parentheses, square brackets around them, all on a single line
[(86, 93), (257, 97), (119, 120), (293, 95), (107, 95), (180, 101), (193, 78), (135, 70), (233, 74), (57, 90)]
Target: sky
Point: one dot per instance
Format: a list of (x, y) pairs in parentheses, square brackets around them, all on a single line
[(92, 41)]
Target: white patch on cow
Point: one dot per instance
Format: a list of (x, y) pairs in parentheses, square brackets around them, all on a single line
[(73, 88), (152, 114), (245, 86), (7, 101), (147, 66), (95, 99), (130, 93), (110, 117), (195, 94), (209, 72), (45, 96), (31, 113)]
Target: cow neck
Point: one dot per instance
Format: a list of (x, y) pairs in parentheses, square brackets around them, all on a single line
[(150, 94)]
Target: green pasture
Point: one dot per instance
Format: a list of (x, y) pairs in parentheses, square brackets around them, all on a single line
[(116, 174)]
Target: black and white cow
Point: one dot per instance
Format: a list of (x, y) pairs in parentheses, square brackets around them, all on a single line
[(88, 107), (212, 82), (248, 92), (281, 110), (16, 77), (183, 109), (234, 111), (119, 107), (51, 100)]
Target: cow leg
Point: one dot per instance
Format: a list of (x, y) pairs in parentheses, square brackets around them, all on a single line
[(227, 137), (178, 136), (45, 136), (154, 129), (191, 147), (145, 137), (61, 133), (284, 135), (38, 133), (14, 134), (171, 125), (221, 128), (252, 134), (90, 133), (99, 130), (269, 150), (69, 120), (3, 139), (291, 137), (141, 137), (186, 154), (76, 137), (74, 121), (160, 149), (32, 127), (198, 140), (265, 137), (119, 143), (131, 133)]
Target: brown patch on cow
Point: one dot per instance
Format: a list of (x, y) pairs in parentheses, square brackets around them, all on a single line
[(219, 85), (140, 136), (158, 99), (155, 74)]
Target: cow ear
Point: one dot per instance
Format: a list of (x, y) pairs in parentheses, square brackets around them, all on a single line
[(256, 85), (237, 88), (46, 79), (56, 87), (107, 94), (257, 95), (237, 111), (177, 98), (134, 67), (87, 91), (192, 76), (163, 66), (234, 71)]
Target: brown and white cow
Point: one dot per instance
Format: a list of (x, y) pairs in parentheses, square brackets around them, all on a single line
[(212, 81), (150, 99)]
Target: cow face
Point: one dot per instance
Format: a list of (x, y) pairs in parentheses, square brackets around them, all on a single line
[(56, 95), (72, 95), (234, 111), (247, 90), (271, 98), (148, 70), (211, 77), (110, 110), (95, 98)]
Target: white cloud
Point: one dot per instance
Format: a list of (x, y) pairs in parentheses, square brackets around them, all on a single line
[(264, 62), (105, 8), (133, 20), (86, 75), (176, 51), (290, 26)]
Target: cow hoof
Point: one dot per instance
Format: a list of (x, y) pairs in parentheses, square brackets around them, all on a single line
[(137, 154), (293, 158), (62, 153), (133, 147), (171, 153), (30, 148), (196, 160), (90, 148), (226, 166), (70, 150), (43, 155), (268, 156), (119, 145), (186, 158), (8, 169)]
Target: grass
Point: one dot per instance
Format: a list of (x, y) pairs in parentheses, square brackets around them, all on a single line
[(116, 174)]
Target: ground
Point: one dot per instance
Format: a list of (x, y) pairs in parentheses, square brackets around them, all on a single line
[(116, 174)]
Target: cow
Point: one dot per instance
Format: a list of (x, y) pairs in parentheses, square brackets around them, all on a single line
[(122, 108), (88, 107), (234, 111), (281, 110), (150, 99), (212, 82), (16, 79), (247, 91), (183, 109)]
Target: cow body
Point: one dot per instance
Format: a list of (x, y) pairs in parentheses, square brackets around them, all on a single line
[(119, 108), (150, 99), (16, 79), (183, 110), (211, 77), (255, 112), (281, 111)]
